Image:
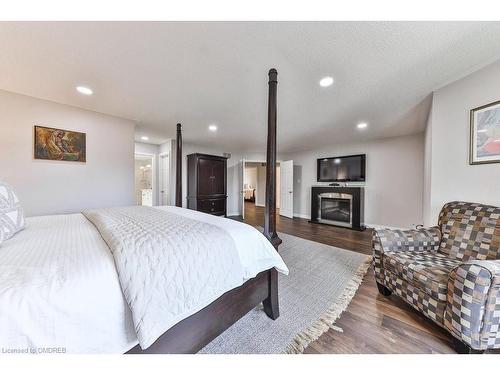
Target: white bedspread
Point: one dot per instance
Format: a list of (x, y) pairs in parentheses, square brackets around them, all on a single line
[(59, 286), (59, 289), (171, 264)]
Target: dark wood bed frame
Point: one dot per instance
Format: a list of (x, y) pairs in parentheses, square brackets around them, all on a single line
[(194, 332)]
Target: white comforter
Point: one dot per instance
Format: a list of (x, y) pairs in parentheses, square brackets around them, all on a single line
[(59, 286)]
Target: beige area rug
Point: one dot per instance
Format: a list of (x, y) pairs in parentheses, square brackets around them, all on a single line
[(322, 281)]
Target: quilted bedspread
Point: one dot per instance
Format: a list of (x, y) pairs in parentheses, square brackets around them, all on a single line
[(171, 265)]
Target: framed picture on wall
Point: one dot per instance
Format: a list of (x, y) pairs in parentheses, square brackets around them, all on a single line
[(59, 144), (485, 134)]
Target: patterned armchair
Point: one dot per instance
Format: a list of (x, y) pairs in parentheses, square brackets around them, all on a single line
[(450, 273)]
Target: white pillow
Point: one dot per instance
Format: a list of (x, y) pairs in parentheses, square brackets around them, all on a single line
[(11, 212), (1, 235)]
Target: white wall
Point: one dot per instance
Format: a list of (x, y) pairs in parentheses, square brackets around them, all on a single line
[(451, 176), (394, 179), (51, 187)]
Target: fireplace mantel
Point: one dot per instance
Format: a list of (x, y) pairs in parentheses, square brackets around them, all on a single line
[(338, 205)]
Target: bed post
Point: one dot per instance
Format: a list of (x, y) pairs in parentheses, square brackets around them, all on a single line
[(270, 209), (271, 306), (178, 168)]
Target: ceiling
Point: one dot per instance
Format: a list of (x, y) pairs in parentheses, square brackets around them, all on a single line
[(199, 73)]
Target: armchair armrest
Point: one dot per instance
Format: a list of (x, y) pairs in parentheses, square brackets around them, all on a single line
[(473, 303), (383, 240)]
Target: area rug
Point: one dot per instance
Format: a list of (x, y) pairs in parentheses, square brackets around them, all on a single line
[(321, 283)]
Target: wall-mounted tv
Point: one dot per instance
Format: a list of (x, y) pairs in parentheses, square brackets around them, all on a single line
[(342, 168)]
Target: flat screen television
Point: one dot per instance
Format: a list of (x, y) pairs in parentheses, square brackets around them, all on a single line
[(342, 168)]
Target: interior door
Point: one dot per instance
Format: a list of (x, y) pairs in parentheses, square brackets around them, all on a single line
[(164, 179), (242, 188), (286, 188)]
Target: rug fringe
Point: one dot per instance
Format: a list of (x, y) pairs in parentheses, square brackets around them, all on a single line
[(326, 321)]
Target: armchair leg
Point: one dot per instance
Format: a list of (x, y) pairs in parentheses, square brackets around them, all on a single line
[(462, 348), (382, 289)]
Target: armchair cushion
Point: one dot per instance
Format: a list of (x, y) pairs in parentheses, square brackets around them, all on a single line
[(390, 240), (427, 270), (425, 239), (470, 231)]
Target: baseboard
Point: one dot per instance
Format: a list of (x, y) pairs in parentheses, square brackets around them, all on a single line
[(260, 205), (233, 214), (377, 226), (302, 216), (374, 226)]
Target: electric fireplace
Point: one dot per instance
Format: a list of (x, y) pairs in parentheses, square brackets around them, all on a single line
[(336, 209), (338, 205)]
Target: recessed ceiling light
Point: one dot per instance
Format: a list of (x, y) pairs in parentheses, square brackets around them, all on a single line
[(326, 81), (362, 125), (84, 90), (144, 138), (212, 128)]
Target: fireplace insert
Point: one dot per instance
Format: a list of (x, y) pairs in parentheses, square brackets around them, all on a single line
[(335, 208)]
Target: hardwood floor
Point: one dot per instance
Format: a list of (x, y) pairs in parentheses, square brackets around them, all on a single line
[(334, 236), (372, 323)]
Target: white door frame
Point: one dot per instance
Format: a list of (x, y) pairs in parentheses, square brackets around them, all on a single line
[(161, 170), (153, 173), (242, 190)]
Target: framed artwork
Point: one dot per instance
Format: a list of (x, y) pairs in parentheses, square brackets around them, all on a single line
[(59, 144), (485, 134)]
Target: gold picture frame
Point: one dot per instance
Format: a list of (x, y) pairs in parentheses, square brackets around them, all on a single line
[(59, 144)]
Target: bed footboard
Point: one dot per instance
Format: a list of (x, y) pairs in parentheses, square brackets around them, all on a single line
[(193, 333)]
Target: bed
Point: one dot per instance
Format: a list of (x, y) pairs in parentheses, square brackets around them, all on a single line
[(138, 279)]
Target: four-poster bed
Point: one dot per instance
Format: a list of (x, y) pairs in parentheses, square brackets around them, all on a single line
[(138, 279), (195, 331)]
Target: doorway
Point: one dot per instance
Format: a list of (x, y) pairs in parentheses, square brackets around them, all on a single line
[(144, 179), (254, 186)]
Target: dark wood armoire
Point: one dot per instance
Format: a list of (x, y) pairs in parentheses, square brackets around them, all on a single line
[(207, 183)]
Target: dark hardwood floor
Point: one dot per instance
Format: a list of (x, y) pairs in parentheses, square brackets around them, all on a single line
[(372, 323)]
